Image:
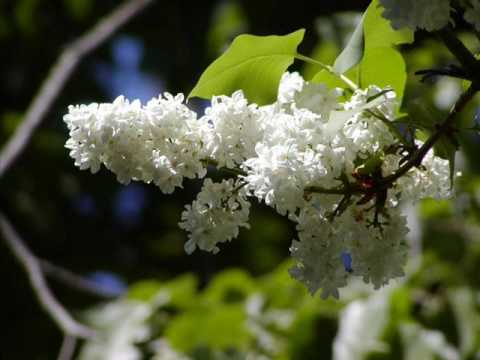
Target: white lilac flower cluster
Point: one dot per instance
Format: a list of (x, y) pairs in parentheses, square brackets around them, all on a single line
[(428, 15), (283, 154), (216, 215), (154, 143)]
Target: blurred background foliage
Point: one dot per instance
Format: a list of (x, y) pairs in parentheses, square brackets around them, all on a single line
[(241, 303)]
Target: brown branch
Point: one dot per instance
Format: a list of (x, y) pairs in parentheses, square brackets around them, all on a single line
[(232, 171), (31, 265), (414, 160), (347, 190), (68, 348), (59, 73), (464, 56), (74, 281), (443, 129)]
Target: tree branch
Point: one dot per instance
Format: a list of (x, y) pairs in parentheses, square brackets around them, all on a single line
[(233, 171), (329, 69), (350, 190), (49, 303), (460, 51), (415, 159), (446, 126), (68, 348), (74, 281), (59, 73)]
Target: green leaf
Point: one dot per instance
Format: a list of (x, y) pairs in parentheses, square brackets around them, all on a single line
[(371, 165), (222, 327), (329, 79), (333, 81), (252, 63), (144, 290), (372, 48), (433, 209), (384, 66), (446, 148), (325, 52), (378, 31), (230, 286), (181, 291), (352, 53)]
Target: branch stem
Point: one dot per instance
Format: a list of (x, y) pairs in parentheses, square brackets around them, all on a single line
[(75, 281), (460, 51), (443, 129), (328, 68), (44, 295), (67, 350), (58, 76), (415, 159), (233, 171)]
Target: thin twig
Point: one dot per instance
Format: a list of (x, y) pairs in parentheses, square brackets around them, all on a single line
[(75, 281), (49, 303), (460, 51), (447, 125), (59, 73), (329, 69), (68, 348), (233, 171), (350, 190)]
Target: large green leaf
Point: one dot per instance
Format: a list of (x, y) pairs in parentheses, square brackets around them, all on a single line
[(254, 64), (382, 64), (324, 52), (384, 67), (333, 81), (352, 53), (378, 31), (372, 48)]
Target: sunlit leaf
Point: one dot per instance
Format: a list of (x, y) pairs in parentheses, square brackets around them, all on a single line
[(353, 52), (254, 64), (230, 286), (384, 66), (221, 327), (379, 32), (325, 52), (144, 290)]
